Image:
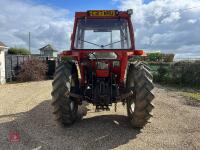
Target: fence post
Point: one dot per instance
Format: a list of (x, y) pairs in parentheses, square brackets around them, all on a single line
[(17, 61)]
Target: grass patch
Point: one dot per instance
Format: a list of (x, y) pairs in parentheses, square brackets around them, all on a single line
[(195, 95), (193, 99)]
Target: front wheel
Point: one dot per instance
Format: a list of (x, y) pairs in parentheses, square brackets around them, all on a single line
[(139, 106)]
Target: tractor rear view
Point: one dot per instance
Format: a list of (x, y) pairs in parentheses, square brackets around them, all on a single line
[(99, 70)]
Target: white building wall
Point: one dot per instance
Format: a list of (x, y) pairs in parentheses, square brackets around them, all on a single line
[(2, 67)]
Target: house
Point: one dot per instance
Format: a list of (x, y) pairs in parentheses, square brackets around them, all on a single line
[(3, 49), (48, 51)]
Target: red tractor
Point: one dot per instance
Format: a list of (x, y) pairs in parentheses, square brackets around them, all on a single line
[(99, 70)]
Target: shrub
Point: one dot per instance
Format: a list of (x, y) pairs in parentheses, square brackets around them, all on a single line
[(154, 56), (137, 58), (18, 51), (32, 70), (163, 74), (63, 59)]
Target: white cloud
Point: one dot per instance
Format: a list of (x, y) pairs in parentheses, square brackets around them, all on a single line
[(192, 21), (174, 16), (46, 24), (159, 25)]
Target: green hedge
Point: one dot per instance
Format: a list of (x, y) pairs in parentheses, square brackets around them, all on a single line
[(155, 57), (181, 73), (18, 51)]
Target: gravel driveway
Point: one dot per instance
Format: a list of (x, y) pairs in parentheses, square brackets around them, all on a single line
[(26, 109)]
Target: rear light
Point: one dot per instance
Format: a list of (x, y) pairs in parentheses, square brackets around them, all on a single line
[(102, 66)]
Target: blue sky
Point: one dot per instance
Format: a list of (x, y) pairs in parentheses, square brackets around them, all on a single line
[(82, 5)]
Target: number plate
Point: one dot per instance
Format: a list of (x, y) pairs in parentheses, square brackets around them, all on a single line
[(102, 13)]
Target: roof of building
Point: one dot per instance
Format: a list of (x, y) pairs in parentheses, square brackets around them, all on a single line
[(2, 44), (48, 48)]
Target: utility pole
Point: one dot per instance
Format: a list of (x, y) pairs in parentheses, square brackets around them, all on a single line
[(29, 41)]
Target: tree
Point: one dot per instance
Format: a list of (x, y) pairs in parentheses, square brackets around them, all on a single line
[(18, 51)]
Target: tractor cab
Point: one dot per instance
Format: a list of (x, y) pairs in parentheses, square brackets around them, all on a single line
[(97, 30)]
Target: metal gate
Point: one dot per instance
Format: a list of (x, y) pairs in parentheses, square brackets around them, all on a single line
[(13, 63)]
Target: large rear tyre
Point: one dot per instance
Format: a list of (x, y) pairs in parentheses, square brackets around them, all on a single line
[(139, 106), (65, 81)]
